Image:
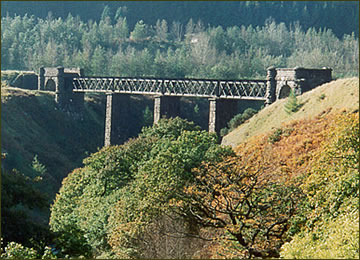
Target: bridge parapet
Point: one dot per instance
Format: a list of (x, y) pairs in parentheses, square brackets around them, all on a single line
[(299, 80)]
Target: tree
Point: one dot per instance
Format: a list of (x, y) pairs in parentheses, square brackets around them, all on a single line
[(292, 105), (148, 117), (161, 30), (98, 62), (106, 15), (251, 212), (122, 190), (177, 31), (121, 28), (140, 32), (159, 179), (121, 12)]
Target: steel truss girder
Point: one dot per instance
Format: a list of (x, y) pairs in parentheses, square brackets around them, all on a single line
[(232, 89)]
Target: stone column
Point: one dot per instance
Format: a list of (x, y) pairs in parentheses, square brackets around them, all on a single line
[(212, 115), (116, 118), (221, 111), (166, 106), (61, 95), (270, 86), (108, 119), (41, 79)]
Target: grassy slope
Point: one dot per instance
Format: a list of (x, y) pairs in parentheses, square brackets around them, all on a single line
[(297, 152), (32, 124), (339, 94)]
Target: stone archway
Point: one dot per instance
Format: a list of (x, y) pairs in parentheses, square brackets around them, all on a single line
[(284, 91), (50, 85)]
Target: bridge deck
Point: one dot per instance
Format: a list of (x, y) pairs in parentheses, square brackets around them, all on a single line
[(231, 89)]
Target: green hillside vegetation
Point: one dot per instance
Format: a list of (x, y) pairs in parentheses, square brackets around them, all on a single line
[(283, 183), (34, 126), (332, 96), (110, 47), (341, 17), (157, 194)]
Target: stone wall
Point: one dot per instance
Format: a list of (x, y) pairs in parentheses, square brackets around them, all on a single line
[(59, 80), (299, 80)]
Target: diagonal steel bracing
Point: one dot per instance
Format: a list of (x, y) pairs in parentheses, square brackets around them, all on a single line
[(232, 89)]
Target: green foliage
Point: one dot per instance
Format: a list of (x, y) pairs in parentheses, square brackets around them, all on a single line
[(127, 187), (278, 133), (17, 251), (332, 207), (238, 120), (241, 118), (140, 31), (147, 117), (224, 131), (292, 105), (21, 204), (217, 52), (275, 136), (322, 96), (38, 167)]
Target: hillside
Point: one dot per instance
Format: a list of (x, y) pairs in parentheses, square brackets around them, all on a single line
[(317, 148), (299, 173), (330, 97)]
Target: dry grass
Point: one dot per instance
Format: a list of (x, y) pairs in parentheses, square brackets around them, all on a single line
[(328, 98)]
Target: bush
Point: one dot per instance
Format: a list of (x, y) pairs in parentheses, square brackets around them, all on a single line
[(275, 136), (224, 131), (15, 250), (241, 118), (292, 105)]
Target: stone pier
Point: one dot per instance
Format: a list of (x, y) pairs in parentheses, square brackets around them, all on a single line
[(117, 111), (221, 111), (59, 80), (166, 106)]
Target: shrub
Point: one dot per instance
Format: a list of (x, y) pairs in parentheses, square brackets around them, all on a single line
[(292, 105), (241, 118), (224, 131), (15, 250), (275, 136)]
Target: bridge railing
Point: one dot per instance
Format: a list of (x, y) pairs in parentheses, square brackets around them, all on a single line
[(236, 89)]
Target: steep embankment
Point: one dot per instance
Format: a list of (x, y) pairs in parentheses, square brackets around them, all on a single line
[(335, 95), (317, 148), (32, 125)]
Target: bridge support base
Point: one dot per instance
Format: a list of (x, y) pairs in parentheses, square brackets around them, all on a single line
[(165, 106), (221, 111), (117, 109)]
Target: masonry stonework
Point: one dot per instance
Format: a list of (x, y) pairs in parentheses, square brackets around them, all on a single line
[(299, 80), (59, 80), (221, 111), (116, 118), (279, 82), (166, 106)]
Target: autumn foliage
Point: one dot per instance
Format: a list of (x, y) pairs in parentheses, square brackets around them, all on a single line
[(173, 192)]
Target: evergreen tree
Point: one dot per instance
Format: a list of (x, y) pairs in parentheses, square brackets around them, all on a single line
[(140, 31), (292, 105)]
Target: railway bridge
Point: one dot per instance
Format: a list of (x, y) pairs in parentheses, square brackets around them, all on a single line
[(70, 85)]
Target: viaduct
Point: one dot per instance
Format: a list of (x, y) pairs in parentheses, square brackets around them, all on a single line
[(70, 85)]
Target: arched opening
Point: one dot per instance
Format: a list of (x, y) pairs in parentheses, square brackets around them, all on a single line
[(284, 91), (50, 85)]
